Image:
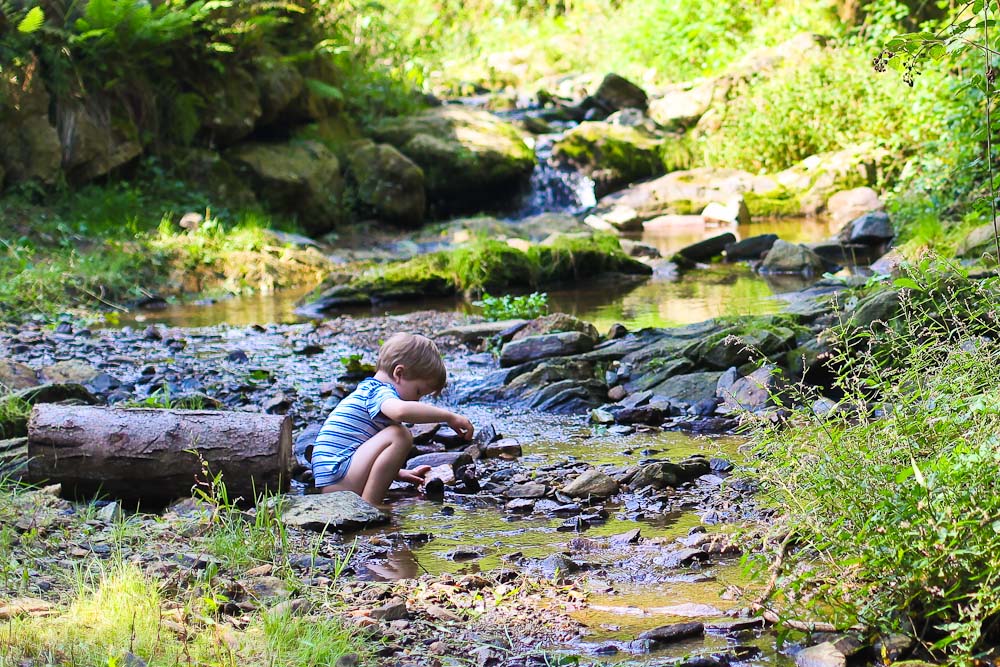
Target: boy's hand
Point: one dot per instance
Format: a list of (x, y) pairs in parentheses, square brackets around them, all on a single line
[(415, 476), (461, 425)]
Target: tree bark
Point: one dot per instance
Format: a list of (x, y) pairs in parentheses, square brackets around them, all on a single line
[(156, 455)]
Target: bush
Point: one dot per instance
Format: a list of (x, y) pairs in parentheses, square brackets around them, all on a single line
[(893, 500), (820, 104)]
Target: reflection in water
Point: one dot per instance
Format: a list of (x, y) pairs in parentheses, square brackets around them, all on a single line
[(399, 564)]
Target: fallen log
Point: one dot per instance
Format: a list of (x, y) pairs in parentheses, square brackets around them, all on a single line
[(157, 455)]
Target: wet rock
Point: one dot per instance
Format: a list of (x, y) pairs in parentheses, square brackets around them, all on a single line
[(540, 347), (611, 155), (735, 626), (689, 388), (751, 248), (520, 505), (599, 416), (527, 490), (703, 251), (338, 511), (555, 323), (592, 483), (631, 537), (388, 182), (616, 92), (503, 448), (450, 438), (557, 564), (681, 558), (758, 390), (666, 634), (646, 414)]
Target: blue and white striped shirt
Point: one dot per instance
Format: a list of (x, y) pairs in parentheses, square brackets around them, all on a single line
[(354, 421)]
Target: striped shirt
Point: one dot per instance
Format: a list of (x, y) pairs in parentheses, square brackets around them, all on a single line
[(354, 421)]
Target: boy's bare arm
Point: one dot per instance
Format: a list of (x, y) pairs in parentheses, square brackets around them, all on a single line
[(422, 413)]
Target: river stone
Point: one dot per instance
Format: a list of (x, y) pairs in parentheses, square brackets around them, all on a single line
[(527, 490), (558, 564), (15, 376), (735, 626), (820, 655), (689, 388), (592, 483), (754, 247), (733, 212), (659, 475), (339, 511), (847, 205), (704, 251), (505, 447), (71, 371), (870, 228), (879, 307), (784, 257), (617, 92), (388, 182), (645, 414), (555, 323), (540, 347), (758, 390), (470, 333), (681, 105), (673, 632)]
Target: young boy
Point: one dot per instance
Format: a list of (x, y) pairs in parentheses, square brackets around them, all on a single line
[(362, 445)]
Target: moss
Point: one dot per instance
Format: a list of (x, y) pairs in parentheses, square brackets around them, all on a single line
[(775, 203), (489, 266), (627, 152)]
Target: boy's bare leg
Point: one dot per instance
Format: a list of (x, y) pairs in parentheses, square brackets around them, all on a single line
[(371, 471)]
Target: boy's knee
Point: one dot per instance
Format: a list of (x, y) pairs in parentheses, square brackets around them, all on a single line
[(401, 434)]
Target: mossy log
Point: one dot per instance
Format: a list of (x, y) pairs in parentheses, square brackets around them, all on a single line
[(153, 455)]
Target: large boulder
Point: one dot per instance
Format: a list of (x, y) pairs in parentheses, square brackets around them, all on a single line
[(846, 205), (280, 83), (213, 174), (818, 177), (785, 257), (339, 511), (94, 140), (980, 241), (612, 155), (681, 105), (468, 157), (29, 144), (617, 92), (232, 106), (388, 182), (301, 178), (555, 323), (548, 345), (870, 228)]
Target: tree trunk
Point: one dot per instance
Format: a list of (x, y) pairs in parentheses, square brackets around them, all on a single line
[(156, 455)]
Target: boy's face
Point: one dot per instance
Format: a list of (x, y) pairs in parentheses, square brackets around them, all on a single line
[(411, 389)]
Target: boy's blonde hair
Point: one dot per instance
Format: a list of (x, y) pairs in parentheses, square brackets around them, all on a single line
[(418, 354)]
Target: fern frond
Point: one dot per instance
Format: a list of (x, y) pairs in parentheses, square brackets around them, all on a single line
[(32, 21)]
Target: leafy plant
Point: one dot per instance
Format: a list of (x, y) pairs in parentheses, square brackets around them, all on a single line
[(354, 364), (508, 307)]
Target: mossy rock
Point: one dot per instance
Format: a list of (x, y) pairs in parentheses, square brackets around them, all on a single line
[(280, 83), (980, 241), (484, 266), (388, 182), (469, 158), (776, 203), (297, 178), (738, 345), (207, 170), (231, 105), (612, 155)]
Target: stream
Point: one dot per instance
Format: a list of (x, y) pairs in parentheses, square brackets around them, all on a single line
[(624, 599)]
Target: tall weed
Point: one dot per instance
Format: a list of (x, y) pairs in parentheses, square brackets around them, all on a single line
[(892, 501)]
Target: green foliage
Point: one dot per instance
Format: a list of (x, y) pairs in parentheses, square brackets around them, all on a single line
[(892, 499), (818, 104), (354, 363), (14, 412), (509, 307), (32, 21)]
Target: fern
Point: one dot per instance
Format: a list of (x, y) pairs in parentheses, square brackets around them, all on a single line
[(32, 21)]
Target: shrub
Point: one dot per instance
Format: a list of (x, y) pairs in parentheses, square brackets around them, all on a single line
[(892, 501)]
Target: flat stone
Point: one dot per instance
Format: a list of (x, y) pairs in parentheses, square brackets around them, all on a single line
[(393, 610), (473, 332), (541, 347), (666, 634), (15, 376), (70, 371), (592, 483), (734, 626), (505, 447), (457, 460), (339, 511), (528, 490)]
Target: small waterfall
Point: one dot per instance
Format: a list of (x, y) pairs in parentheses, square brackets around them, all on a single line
[(554, 189)]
